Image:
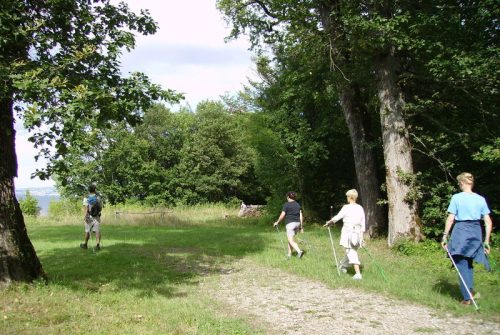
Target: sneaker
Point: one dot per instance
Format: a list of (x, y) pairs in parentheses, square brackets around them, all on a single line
[(357, 276), (300, 254), (97, 248), (343, 269), (83, 246), (465, 302)]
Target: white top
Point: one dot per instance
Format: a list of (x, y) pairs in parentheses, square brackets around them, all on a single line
[(353, 216)]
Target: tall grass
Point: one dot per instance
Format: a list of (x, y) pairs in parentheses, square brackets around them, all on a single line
[(146, 278)]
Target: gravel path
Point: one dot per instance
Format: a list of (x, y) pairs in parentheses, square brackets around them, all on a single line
[(259, 293)]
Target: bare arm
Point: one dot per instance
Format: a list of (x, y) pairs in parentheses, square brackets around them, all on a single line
[(281, 217), (488, 225), (447, 226), (336, 218)]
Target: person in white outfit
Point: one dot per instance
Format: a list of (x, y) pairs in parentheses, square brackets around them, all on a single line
[(351, 236)]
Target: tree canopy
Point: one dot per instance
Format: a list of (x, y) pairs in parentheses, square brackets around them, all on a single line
[(60, 73)]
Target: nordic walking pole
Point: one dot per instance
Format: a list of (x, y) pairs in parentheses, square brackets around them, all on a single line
[(309, 245), (376, 264), (334, 253), (461, 278), (92, 238), (283, 244)]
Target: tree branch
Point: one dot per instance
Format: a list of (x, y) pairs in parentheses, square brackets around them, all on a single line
[(263, 6)]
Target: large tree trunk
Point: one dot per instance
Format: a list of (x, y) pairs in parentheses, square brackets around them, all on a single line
[(364, 159), (403, 217), (18, 259)]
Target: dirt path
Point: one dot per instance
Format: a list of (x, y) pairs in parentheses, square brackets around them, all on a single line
[(259, 293)]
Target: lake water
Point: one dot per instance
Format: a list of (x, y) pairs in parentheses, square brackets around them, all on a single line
[(43, 199)]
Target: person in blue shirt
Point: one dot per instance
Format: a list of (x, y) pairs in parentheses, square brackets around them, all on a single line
[(465, 212)]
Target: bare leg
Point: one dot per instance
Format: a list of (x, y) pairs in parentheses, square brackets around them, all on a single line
[(293, 244), (86, 238)]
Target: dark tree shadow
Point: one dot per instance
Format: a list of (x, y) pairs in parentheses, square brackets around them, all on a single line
[(149, 260), (444, 287)]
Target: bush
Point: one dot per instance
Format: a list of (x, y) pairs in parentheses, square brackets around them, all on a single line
[(410, 248), (65, 207), (436, 201), (29, 205)]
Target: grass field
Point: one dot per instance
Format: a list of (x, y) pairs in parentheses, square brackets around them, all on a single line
[(146, 278)]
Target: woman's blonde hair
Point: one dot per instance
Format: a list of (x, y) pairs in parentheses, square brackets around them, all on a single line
[(352, 194), (466, 178)]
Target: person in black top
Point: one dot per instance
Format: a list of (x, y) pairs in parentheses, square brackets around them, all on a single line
[(294, 220)]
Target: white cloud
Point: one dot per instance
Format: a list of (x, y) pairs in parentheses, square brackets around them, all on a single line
[(187, 54), (26, 164)]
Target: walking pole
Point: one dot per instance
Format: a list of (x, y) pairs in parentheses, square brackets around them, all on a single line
[(309, 245), (376, 264), (334, 253), (461, 278), (92, 238), (283, 244)]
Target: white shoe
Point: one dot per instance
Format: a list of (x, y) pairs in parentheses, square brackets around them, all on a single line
[(357, 276), (343, 269)]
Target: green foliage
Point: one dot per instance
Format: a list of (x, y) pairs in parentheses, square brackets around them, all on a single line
[(435, 203), (495, 240), (65, 207), (29, 205), (447, 57), (423, 249), (489, 153), (170, 159), (60, 65)]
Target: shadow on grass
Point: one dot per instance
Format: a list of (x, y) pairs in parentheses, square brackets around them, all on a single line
[(445, 287), (144, 259)]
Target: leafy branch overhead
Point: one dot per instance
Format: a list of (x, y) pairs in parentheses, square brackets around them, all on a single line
[(61, 63)]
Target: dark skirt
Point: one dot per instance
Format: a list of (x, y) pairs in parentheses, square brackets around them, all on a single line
[(466, 240)]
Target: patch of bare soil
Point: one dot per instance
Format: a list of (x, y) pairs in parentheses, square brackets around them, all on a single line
[(284, 303)]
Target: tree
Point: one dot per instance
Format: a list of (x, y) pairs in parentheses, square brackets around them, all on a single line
[(59, 71), (214, 159), (427, 69), (450, 61), (281, 24), (169, 159), (298, 129)]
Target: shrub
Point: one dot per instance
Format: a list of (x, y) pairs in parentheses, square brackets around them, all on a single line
[(434, 209), (65, 207), (29, 205)]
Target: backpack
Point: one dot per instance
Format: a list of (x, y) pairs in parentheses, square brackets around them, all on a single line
[(94, 203)]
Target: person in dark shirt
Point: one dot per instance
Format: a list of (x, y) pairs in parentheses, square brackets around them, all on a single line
[(292, 214)]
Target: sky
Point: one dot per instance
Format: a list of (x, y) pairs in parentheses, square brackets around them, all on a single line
[(187, 54)]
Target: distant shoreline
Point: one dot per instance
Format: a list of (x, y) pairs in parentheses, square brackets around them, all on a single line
[(44, 195)]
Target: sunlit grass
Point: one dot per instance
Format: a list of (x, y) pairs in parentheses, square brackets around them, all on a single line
[(146, 278)]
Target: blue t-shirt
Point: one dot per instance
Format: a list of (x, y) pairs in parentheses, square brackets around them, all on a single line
[(468, 206)]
